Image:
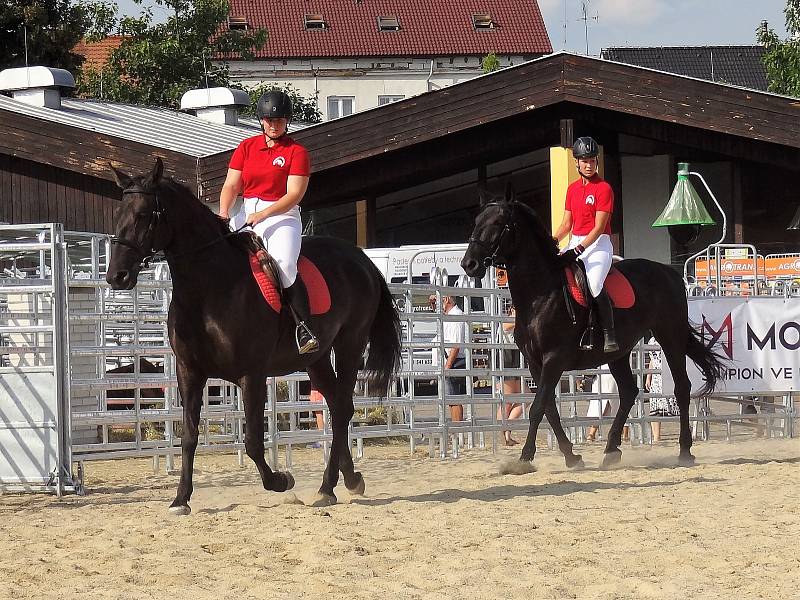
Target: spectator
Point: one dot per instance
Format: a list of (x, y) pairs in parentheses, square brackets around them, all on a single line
[(454, 337), (511, 385), (659, 406)]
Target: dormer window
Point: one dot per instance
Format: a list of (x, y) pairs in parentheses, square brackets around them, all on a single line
[(238, 24), (388, 23), (315, 21), (483, 21)]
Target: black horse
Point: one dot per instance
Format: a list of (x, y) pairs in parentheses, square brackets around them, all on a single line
[(510, 233), (220, 326)]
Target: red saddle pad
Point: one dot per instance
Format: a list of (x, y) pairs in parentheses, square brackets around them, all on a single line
[(617, 285), (319, 296)]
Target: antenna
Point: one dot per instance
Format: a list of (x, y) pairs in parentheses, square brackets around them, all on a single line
[(565, 25), (585, 17), (25, 42), (205, 69)]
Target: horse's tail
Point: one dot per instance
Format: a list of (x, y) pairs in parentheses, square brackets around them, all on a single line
[(383, 360), (710, 363)]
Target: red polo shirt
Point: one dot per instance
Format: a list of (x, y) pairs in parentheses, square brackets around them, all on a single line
[(583, 201), (265, 170)]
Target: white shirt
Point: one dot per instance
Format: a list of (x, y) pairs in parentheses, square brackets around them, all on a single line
[(455, 334)]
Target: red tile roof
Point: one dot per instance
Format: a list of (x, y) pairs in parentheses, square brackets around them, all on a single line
[(97, 53), (427, 27)]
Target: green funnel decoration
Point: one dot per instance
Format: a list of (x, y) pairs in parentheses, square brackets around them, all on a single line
[(684, 207)]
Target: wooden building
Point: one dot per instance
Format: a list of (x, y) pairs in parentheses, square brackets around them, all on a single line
[(408, 172)]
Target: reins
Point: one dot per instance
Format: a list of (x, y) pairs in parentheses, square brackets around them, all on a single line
[(155, 219)]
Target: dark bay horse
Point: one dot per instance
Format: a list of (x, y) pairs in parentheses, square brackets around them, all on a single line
[(220, 326), (510, 233)]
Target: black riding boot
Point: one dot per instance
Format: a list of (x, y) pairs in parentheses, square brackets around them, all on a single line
[(607, 322), (297, 298)]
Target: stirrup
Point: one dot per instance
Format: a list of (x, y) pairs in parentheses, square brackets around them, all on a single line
[(305, 339), (609, 345)]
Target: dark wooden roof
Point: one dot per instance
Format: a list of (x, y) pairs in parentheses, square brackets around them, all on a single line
[(734, 65), (513, 110)]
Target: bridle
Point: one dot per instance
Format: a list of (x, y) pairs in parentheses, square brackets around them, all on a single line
[(493, 257), (155, 219)]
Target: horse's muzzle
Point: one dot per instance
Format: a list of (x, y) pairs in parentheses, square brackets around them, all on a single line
[(121, 280), (473, 268)]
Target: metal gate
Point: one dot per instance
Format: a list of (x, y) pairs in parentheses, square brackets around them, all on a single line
[(35, 450)]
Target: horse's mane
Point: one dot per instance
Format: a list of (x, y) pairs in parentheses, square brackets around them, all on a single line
[(548, 247), (189, 202)]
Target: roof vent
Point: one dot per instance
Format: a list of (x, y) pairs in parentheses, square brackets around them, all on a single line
[(315, 21), (238, 23), (216, 105), (37, 86), (483, 21), (388, 23)]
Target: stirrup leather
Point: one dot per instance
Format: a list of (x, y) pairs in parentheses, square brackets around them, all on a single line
[(305, 339)]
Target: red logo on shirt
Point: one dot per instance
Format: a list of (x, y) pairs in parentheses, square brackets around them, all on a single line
[(279, 161), (590, 199)]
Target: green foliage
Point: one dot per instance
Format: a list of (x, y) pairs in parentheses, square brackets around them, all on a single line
[(54, 27), (490, 63), (303, 108), (158, 62), (782, 57)]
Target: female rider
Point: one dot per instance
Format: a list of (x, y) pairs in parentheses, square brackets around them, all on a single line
[(271, 172), (587, 219)]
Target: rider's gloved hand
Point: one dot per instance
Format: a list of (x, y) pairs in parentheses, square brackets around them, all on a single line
[(570, 256)]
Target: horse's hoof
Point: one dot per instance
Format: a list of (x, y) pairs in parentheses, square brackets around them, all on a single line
[(516, 467), (289, 481), (323, 500), (358, 488), (180, 511), (575, 461), (686, 460), (612, 459)]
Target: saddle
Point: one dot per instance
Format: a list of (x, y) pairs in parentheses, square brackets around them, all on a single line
[(576, 286), (266, 273)]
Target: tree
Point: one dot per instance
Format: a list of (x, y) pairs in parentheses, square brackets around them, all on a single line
[(490, 63), (53, 29), (157, 62), (303, 109), (782, 57)]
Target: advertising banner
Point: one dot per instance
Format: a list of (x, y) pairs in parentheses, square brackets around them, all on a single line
[(758, 337)]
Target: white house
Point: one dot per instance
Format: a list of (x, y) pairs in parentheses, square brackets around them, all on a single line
[(357, 54)]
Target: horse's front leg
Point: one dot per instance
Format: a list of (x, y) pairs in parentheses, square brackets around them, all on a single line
[(254, 395), (554, 418), (190, 385), (545, 393)]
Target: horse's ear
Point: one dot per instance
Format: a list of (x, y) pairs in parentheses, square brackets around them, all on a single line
[(483, 197), (123, 181), (510, 193), (155, 175)]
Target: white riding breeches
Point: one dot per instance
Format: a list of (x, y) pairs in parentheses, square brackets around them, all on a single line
[(282, 235), (597, 260)]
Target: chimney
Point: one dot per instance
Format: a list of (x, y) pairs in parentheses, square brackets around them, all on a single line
[(217, 105), (37, 86)]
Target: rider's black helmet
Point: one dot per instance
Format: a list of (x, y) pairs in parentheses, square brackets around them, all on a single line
[(274, 104), (585, 147)]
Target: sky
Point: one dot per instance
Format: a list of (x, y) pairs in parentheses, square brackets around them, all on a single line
[(659, 22), (642, 22)]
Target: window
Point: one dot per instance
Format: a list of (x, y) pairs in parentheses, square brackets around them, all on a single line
[(483, 21), (390, 23), (340, 106), (315, 21), (388, 99), (237, 24)]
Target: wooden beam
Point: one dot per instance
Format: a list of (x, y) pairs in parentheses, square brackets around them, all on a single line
[(365, 223)]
